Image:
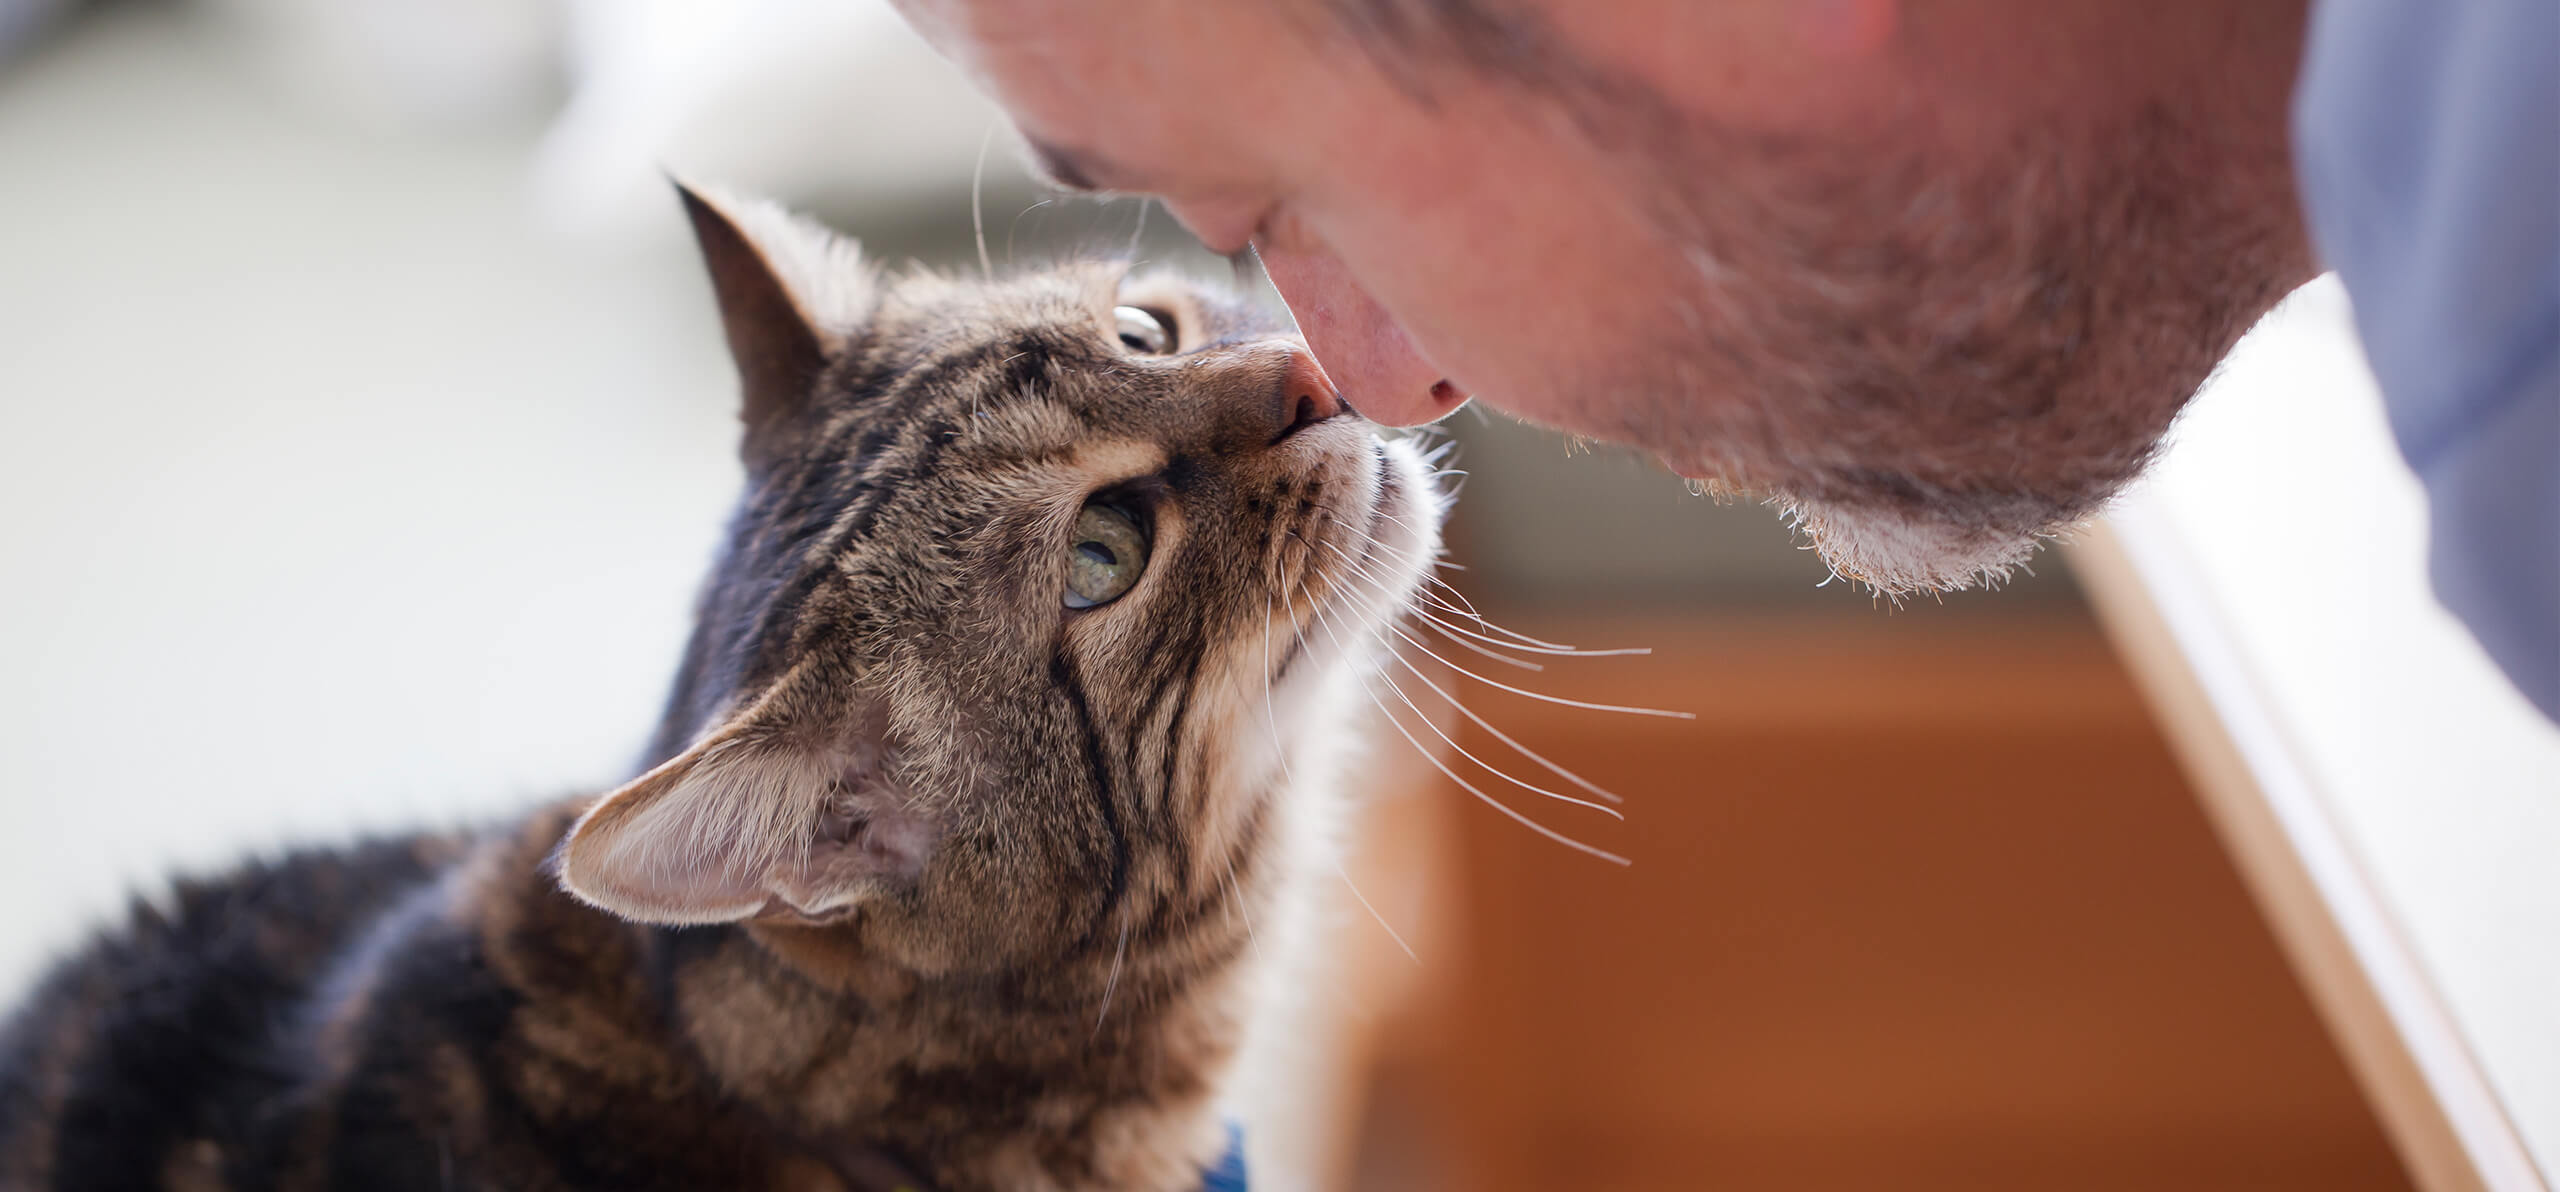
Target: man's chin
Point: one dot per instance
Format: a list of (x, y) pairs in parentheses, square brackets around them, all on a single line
[(1898, 552)]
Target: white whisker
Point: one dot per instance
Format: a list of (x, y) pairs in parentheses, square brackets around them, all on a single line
[(1559, 651), (1470, 613), (1524, 641), (1112, 984), (1552, 699), (1498, 805), (1269, 717), (1379, 586), (1463, 643), (1235, 896), (1282, 757), (1015, 228), (1138, 230), (1354, 567), (1489, 767), (1505, 738), (1486, 725), (977, 200), (1348, 884)]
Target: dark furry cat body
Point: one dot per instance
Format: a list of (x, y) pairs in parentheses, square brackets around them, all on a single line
[(958, 823)]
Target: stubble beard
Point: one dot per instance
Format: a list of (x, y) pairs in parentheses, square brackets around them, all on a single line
[(1929, 371)]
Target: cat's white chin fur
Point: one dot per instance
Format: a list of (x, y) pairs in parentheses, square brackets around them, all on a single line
[(1326, 719)]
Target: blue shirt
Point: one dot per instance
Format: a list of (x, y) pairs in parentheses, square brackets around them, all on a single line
[(2427, 144)]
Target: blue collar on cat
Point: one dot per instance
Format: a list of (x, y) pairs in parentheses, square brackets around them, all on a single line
[(1228, 1175)]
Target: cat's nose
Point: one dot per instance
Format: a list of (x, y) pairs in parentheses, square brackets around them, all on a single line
[(1306, 396)]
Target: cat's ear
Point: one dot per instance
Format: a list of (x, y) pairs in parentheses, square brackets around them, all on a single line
[(786, 810), (791, 295)]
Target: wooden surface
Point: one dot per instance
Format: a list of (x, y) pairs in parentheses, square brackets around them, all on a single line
[(1916, 904)]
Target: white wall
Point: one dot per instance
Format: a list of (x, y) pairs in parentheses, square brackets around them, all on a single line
[(334, 493)]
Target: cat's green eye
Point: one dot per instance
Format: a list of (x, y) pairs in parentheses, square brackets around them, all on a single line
[(1143, 330), (1105, 556)]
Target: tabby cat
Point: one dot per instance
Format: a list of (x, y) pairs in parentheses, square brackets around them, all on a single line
[(1011, 706)]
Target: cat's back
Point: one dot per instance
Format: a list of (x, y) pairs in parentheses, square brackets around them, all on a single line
[(169, 1027)]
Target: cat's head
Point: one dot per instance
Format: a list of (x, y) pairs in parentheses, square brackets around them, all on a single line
[(1041, 588)]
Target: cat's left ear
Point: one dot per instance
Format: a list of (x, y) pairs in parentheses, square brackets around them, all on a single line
[(792, 294), (788, 809)]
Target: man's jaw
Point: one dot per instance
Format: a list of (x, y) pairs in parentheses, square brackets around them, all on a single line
[(1895, 546), (1898, 552)]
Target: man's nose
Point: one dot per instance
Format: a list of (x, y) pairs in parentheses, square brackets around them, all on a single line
[(1360, 345)]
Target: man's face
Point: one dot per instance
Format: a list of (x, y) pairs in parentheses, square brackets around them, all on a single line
[(1733, 235)]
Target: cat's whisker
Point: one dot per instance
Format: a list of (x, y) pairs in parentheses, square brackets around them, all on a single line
[(1489, 767), (1414, 604), (1235, 902), (1425, 595), (1397, 520), (1463, 643), (1558, 651), (1272, 720), (1366, 905), (1506, 738), (977, 200), (1446, 564), (1111, 984), (1448, 629), (1465, 607), (1471, 614), (1552, 699), (1015, 228), (1508, 811), (1416, 609), (1279, 755), (1138, 230), (1270, 717), (1488, 726)]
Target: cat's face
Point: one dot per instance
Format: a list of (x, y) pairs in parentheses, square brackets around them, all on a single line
[(1040, 588)]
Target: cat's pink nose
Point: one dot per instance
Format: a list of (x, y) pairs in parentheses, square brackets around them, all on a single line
[(1306, 396)]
